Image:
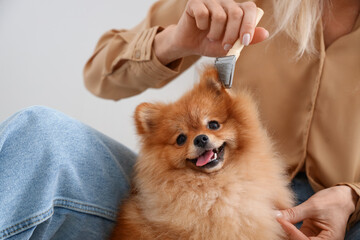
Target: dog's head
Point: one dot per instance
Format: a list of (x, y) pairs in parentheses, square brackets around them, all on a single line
[(201, 131)]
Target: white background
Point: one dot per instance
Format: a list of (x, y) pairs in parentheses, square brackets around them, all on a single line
[(44, 45)]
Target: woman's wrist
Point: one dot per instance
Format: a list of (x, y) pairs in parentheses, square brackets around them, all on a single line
[(355, 197), (351, 198), (164, 48)]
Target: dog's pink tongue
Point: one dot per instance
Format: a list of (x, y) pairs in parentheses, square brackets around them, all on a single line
[(205, 158)]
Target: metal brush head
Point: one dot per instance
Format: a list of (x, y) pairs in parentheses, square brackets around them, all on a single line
[(225, 67)]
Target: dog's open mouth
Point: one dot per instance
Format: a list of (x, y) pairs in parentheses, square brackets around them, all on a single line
[(210, 158)]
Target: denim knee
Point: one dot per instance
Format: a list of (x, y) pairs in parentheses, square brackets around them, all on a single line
[(39, 115), (48, 160), (65, 140), (43, 120), (34, 123), (38, 112)]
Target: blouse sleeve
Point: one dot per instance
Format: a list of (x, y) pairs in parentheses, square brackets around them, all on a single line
[(123, 63)]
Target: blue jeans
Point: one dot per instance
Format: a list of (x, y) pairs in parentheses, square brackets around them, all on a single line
[(303, 191), (60, 179)]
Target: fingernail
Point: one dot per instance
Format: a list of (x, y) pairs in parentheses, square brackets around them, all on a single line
[(278, 214), (246, 39), (227, 47), (211, 40)]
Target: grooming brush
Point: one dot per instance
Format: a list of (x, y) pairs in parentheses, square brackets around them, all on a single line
[(226, 65)]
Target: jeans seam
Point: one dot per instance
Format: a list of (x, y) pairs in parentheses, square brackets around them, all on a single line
[(27, 223), (59, 202), (85, 208)]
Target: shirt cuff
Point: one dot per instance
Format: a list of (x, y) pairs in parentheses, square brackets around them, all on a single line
[(139, 46), (155, 74), (144, 70)]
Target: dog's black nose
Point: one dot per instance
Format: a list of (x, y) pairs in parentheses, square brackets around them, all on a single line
[(201, 140)]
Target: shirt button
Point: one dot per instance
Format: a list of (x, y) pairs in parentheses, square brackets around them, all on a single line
[(137, 54)]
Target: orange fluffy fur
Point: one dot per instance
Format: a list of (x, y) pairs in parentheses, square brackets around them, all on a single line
[(171, 198)]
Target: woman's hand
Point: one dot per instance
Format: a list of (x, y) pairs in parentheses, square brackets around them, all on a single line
[(324, 215), (209, 28)]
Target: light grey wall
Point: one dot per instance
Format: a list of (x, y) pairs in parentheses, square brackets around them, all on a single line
[(44, 45)]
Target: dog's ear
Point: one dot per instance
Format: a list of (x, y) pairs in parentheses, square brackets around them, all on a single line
[(210, 79), (147, 116)]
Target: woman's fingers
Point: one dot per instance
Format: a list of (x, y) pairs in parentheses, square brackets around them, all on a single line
[(200, 13), (292, 232), (297, 213), (225, 20), (260, 35), (218, 20), (211, 27), (235, 15), (248, 22)]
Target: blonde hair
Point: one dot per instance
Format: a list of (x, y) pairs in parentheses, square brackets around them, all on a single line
[(299, 19)]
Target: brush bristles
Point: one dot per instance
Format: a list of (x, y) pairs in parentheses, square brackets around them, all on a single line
[(225, 67)]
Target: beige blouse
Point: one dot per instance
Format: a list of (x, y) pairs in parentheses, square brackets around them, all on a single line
[(311, 107)]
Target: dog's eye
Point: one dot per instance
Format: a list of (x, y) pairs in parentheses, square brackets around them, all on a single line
[(213, 125), (181, 139)]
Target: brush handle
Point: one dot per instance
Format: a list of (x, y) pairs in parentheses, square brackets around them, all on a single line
[(237, 47)]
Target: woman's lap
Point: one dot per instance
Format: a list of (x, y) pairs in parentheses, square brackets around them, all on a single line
[(50, 165)]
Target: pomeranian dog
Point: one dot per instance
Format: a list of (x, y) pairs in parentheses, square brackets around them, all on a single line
[(206, 170)]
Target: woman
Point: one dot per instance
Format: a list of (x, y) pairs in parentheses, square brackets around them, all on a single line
[(63, 180), (305, 78)]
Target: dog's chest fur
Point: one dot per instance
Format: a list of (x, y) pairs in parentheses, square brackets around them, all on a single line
[(208, 207)]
